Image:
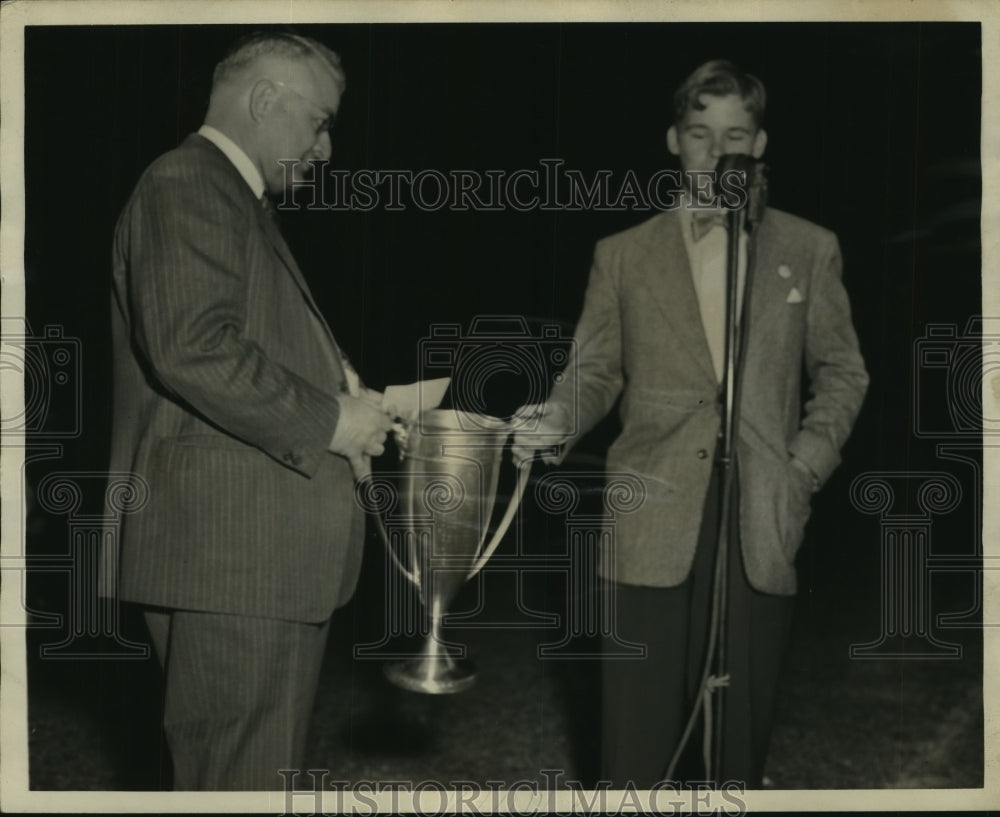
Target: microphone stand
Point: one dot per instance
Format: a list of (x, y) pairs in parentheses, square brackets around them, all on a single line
[(737, 321), (714, 677)]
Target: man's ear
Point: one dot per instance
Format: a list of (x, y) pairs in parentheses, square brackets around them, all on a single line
[(672, 144), (262, 96), (759, 143)]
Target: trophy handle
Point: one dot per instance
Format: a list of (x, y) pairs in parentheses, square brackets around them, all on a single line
[(411, 575), (508, 517)]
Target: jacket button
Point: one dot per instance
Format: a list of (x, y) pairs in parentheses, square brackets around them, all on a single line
[(702, 453)]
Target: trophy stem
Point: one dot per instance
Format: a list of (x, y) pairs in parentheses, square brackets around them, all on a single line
[(438, 670)]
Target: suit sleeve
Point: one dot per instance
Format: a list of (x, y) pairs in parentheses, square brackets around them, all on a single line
[(837, 377), (594, 377), (188, 287)]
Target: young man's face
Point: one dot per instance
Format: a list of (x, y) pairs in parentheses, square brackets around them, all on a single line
[(723, 126)]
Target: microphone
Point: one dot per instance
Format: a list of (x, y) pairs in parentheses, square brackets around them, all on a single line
[(741, 182)]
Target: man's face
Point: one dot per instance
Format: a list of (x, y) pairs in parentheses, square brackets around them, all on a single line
[(723, 126), (304, 101)]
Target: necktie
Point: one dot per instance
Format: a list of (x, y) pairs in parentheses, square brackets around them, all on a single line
[(702, 223), (270, 209)]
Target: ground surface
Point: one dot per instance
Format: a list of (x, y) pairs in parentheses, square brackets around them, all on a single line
[(841, 723)]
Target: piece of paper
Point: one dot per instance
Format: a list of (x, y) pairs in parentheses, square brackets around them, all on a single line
[(413, 399)]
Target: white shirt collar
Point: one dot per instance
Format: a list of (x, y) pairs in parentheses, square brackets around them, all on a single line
[(247, 169)]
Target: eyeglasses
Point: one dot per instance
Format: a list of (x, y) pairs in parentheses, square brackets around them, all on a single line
[(326, 120)]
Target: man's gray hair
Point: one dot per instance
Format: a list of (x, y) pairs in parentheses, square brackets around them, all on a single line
[(279, 44)]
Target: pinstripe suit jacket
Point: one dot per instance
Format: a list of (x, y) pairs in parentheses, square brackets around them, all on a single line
[(640, 336), (224, 403)]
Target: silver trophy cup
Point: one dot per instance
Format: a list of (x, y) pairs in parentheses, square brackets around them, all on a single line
[(448, 492)]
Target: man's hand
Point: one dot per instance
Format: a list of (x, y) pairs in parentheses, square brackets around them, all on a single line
[(544, 427), (377, 399), (806, 472), (360, 433)]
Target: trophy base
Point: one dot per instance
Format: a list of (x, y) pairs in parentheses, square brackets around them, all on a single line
[(435, 674)]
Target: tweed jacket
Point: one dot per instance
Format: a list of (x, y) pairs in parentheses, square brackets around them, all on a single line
[(640, 337)]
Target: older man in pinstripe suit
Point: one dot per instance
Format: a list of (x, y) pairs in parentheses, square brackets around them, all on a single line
[(235, 405)]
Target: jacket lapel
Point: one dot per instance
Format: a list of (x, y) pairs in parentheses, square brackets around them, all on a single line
[(276, 240), (768, 290), (665, 272), (274, 237)]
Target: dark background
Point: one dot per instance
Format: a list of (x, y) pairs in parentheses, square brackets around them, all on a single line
[(873, 133)]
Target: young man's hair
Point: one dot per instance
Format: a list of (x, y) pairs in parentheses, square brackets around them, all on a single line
[(279, 44), (720, 78)]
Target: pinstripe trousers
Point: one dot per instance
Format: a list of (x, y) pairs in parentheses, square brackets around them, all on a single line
[(239, 693)]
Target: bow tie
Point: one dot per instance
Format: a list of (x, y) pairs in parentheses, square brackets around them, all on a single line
[(702, 223)]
